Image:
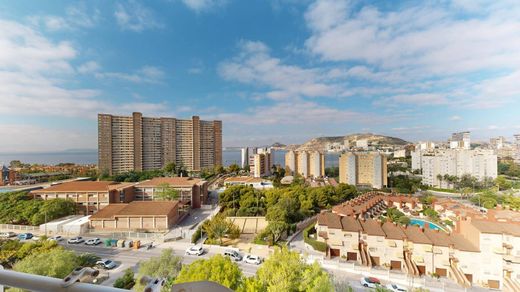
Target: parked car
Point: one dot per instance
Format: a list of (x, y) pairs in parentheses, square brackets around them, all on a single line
[(195, 250), (55, 238), (395, 288), (76, 240), (93, 241), (25, 236), (370, 282), (252, 259), (233, 254), (106, 264), (35, 237), (7, 234)]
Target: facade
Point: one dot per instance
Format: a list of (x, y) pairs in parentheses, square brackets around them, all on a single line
[(454, 162), (139, 143), (90, 196), (152, 216), (244, 157), (497, 143), (305, 163), (192, 191), (261, 162), (460, 140), (363, 169)]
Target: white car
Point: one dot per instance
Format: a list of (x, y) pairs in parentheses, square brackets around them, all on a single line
[(93, 241), (395, 288), (195, 250), (106, 264), (252, 259), (76, 240), (370, 282), (55, 238), (7, 234)]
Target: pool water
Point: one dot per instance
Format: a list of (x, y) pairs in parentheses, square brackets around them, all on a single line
[(420, 223)]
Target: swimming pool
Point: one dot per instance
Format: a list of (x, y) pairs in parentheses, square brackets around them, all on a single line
[(420, 223)]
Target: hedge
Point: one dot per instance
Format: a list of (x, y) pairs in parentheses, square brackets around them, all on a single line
[(317, 245), (197, 235)]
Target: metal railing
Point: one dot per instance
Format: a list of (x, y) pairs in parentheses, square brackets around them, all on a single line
[(47, 284)]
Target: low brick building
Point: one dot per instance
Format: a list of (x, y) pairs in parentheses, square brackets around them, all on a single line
[(90, 196), (192, 191), (136, 216)]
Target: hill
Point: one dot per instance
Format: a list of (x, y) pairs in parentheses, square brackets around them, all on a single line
[(321, 143)]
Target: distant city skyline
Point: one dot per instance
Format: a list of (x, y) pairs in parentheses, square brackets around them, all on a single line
[(272, 71)]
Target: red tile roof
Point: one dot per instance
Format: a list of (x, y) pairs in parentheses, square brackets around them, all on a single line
[(136, 208), (84, 186), (172, 181)]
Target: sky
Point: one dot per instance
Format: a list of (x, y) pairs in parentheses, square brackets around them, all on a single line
[(271, 70)]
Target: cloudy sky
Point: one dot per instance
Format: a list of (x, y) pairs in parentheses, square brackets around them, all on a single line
[(272, 70)]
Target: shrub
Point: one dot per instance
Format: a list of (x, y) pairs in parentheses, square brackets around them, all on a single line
[(317, 245), (197, 235), (126, 281)]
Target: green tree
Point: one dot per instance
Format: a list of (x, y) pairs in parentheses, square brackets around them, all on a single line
[(502, 183), (217, 268), (234, 168), (126, 281), (275, 230), (219, 226), (286, 271), (56, 263), (166, 192), (170, 167), (166, 266)]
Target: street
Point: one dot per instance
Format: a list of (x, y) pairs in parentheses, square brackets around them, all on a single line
[(129, 258)]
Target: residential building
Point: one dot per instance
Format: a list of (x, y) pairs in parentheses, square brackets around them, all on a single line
[(261, 162), (460, 140), (400, 153), (127, 143), (517, 149), (497, 143), (151, 216), (305, 163), (437, 163), (363, 169), (4, 175), (244, 157), (192, 191), (90, 196)]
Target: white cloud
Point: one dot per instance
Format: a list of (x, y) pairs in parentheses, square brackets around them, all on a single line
[(455, 118), (255, 65), (423, 47), (28, 138), (135, 17), (89, 67), (147, 74), (78, 16), (35, 73), (203, 5)]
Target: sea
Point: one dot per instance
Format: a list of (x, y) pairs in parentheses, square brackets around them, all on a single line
[(229, 156)]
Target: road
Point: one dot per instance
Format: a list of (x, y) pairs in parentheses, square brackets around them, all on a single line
[(129, 258)]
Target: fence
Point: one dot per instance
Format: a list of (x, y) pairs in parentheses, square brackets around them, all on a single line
[(127, 235), (19, 227)]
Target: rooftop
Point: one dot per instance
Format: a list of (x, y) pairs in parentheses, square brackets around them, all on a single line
[(172, 181), (84, 186), (136, 208)]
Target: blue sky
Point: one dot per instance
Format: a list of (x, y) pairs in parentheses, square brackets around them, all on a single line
[(272, 70)]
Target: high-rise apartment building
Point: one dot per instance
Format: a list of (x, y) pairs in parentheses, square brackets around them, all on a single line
[(139, 143), (305, 163), (435, 164), (497, 143), (363, 169), (244, 157), (460, 140), (261, 162)]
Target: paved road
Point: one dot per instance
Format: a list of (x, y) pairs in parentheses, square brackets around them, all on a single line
[(129, 258)]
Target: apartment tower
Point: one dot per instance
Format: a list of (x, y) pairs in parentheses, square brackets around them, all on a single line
[(139, 143), (363, 169), (305, 163)]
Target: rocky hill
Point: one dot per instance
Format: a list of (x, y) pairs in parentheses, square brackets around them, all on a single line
[(321, 143)]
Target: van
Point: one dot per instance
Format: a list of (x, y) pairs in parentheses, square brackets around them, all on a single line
[(233, 255)]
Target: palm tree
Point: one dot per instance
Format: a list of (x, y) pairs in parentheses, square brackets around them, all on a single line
[(440, 178)]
